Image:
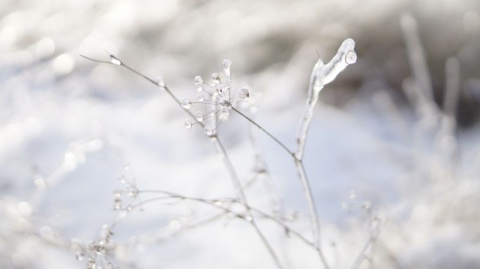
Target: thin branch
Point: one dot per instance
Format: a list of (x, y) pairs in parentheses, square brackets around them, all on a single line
[(264, 131), (368, 245), (219, 204)]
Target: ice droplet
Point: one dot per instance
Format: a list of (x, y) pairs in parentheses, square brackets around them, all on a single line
[(199, 116), (105, 232), (226, 67), (225, 110), (222, 87), (243, 93), (114, 60), (91, 264), (186, 103), (208, 131), (133, 193), (117, 193), (117, 204), (79, 256), (198, 82), (216, 77), (212, 111), (187, 124), (39, 181), (201, 97), (122, 179), (351, 57), (227, 63), (160, 82)]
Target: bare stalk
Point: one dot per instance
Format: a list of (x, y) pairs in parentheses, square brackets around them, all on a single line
[(425, 103), (264, 131), (452, 86), (377, 225), (222, 205), (416, 55)]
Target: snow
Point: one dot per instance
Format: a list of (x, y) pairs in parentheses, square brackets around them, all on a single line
[(71, 129)]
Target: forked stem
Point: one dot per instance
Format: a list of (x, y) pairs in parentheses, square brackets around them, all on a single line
[(322, 74)]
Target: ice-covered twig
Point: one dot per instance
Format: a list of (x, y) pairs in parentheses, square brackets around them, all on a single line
[(323, 74)]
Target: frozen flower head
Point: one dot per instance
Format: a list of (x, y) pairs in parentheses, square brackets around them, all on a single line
[(217, 100)]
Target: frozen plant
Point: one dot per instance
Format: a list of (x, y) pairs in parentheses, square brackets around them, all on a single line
[(217, 97)]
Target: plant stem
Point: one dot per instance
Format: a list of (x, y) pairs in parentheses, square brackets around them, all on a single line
[(306, 187), (322, 74), (264, 131)]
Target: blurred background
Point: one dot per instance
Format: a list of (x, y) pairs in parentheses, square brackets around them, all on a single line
[(392, 153)]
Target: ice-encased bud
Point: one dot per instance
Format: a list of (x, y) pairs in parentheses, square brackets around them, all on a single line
[(199, 116), (187, 124), (114, 60), (216, 77), (243, 93), (208, 131), (226, 67), (186, 103), (198, 82)]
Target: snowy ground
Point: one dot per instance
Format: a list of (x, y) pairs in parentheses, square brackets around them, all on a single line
[(73, 131)]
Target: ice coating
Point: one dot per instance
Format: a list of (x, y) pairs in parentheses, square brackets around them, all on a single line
[(345, 56), (322, 74)]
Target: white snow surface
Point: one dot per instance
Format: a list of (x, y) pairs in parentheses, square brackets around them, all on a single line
[(70, 129)]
